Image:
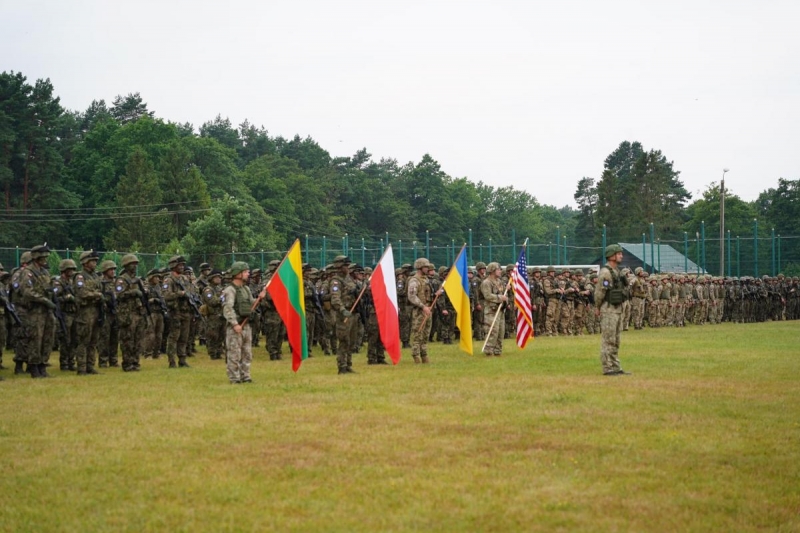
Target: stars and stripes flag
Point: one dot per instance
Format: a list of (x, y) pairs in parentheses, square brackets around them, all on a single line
[(522, 300)]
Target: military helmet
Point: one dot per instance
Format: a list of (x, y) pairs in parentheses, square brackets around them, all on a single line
[(203, 266), (612, 249), (442, 269), (577, 272), (176, 260), (491, 267), (25, 257), (536, 269), (479, 265), (638, 270), (255, 272), (214, 273), (341, 260), (40, 251), (127, 259), (188, 270), (66, 264), (551, 268), (274, 264), (238, 267), (420, 263), (107, 264), (509, 268), (406, 267), (150, 273)]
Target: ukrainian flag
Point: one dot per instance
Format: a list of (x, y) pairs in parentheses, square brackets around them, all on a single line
[(457, 288)]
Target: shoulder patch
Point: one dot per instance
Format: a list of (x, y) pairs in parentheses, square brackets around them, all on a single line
[(606, 283), (165, 286)]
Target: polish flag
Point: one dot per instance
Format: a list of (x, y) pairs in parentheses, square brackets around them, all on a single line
[(384, 296)]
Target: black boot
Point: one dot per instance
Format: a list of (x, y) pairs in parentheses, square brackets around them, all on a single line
[(34, 371), (184, 364), (43, 371), (18, 367), (349, 370), (342, 370)]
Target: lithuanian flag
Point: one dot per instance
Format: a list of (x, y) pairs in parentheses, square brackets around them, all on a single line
[(286, 289)]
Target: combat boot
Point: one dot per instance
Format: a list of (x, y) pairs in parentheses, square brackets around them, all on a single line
[(91, 370), (183, 364), (425, 360), (406, 345), (417, 359), (34, 371), (18, 367), (172, 364), (349, 370), (342, 370), (43, 371)]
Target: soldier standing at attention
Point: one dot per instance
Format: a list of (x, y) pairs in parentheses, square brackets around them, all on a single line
[(420, 297), (608, 297), (479, 332), (62, 288), (131, 314), (200, 284), (19, 333), (492, 291), (180, 316), (108, 338), (552, 293), (36, 290), (403, 307), (237, 309), (153, 335), (343, 296), (89, 296), (213, 299)]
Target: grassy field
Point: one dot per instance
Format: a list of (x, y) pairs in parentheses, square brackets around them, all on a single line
[(704, 436)]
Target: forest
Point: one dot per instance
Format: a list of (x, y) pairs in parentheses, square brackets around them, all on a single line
[(117, 177)]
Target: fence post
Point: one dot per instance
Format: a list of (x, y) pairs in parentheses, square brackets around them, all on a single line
[(490, 249), (324, 252), (773, 252), (652, 248), (428, 244), (755, 247), (738, 258), (558, 244), (729, 252), (685, 252), (566, 262), (306, 250), (469, 257)]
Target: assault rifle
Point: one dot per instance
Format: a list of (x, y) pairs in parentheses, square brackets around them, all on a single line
[(9, 307), (191, 298), (62, 324)]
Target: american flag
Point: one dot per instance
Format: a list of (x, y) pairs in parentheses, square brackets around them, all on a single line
[(522, 300)]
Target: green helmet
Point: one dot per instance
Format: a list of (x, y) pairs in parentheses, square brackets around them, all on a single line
[(88, 255), (551, 268), (422, 262), (341, 260), (40, 251), (107, 264), (66, 264), (612, 249), (238, 267), (491, 267), (25, 257), (479, 265), (127, 259)]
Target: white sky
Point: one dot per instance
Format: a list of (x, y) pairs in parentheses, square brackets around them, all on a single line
[(532, 94)]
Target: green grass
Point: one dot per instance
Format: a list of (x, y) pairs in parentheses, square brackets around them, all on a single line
[(704, 436)]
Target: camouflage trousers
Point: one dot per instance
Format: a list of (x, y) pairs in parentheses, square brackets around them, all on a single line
[(331, 341), (610, 328), (178, 340), (539, 316), (41, 335), (405, 323), (552, 315), (88, 331), (239, 350), (494, 340), (652, 314), (637, 312), (478, 330), (152, 336), (344, 334), (419, 338), (626, 314), (510, 317), (375, 350), (18, 337), (448, 325), (131, 338), (67, 343), (566, 309), (311, 323), (215, 336), (108, 341), (273, 333), (579, 318)]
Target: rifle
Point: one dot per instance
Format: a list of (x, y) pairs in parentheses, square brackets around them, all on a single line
[(143, 297), (9, 307), (62, 324), (190, 297)]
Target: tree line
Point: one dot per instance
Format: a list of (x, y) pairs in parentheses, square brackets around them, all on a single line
[(115, 176)]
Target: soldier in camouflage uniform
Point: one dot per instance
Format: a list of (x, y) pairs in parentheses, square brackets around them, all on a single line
[(538, 307), (200, 284), (479, 330), (175, 287), (447, 313), (65, 296), (638, 288), (19, 332), (331, 342), (213, 299), (343, 296), (376, 354), (592, 320), (108, 336), (510, 314), (274, 330), (153, 334), (131, 313), (433, 281), (494, 298), (237, 310), (36, 296), (309, 296), (255, 285), (567, 306), (608, 297), (403, 308), (89, 297), (420, 297), (552, 294), (581, 303)]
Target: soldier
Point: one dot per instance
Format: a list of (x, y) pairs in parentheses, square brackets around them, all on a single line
[(200, 284), (89, 296), (494, 297), (310, 293), (36, 295), (19, 332), (108, 337), (331, 342), (343, 296), (65, 296), (213, 300), (626, 305), (538, 307), (566, 302), (273, 328), (376, 354), (592, 320), (581, 303), (447, 312), (479, 330), (176, 297), (638, 294), (255, 287), (510, 314), (237, 310), (420, 297), (403, 307), (131, 313), (4, 318), (608, 297), (552, 294), (435, 284), (154, 334)]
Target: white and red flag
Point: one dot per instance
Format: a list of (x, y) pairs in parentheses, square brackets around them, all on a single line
[(384, 295)]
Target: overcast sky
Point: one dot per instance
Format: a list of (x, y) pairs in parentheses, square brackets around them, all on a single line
[(530, 94)]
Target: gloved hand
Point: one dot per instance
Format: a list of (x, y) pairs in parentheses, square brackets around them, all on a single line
[(137, 293), (48, 303), (346, 313)]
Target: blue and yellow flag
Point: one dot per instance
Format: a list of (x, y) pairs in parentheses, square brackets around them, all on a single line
[(456, 285)]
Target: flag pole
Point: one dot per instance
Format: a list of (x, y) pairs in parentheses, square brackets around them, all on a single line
[(366, 283), (425, 319), (263, 292), (497, 313)]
